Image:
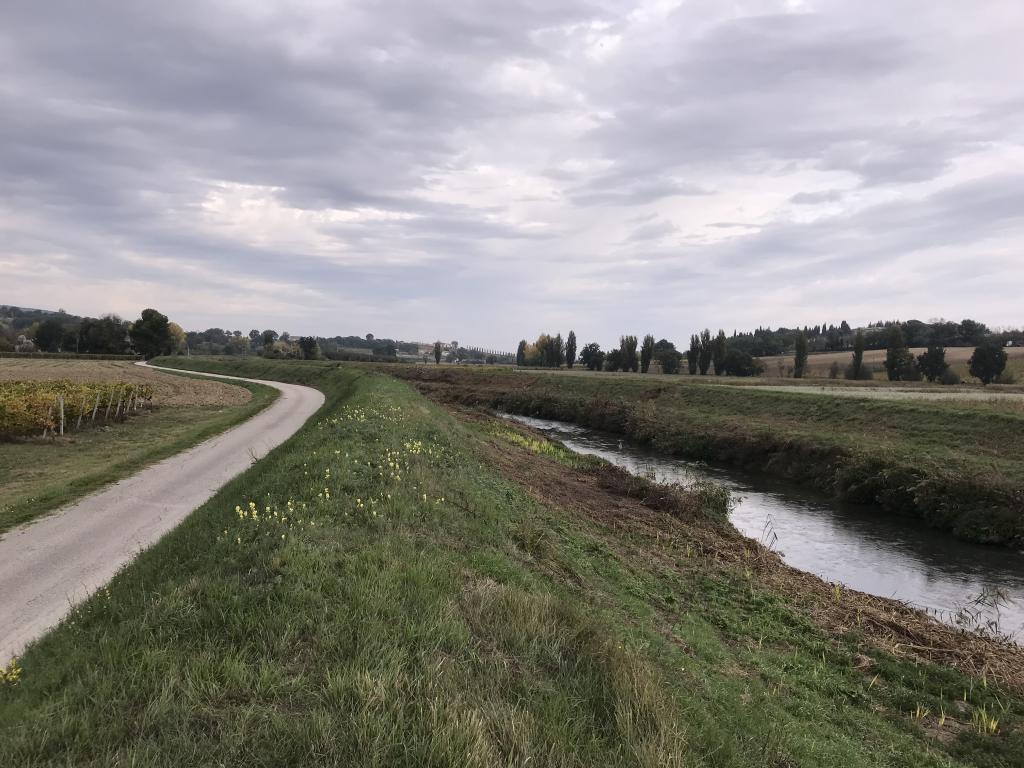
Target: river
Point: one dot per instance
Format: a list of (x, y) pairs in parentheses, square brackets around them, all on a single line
[(855, 545)]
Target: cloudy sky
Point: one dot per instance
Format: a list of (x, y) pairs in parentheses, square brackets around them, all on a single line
[(488, 170)]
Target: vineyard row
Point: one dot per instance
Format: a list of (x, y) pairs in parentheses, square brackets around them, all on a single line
[(55, 407)]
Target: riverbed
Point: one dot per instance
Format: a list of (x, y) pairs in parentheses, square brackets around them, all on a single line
[(855, 545)]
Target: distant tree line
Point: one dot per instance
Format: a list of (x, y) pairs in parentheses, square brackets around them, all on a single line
[(720, 354), (33, 330), (549, 351), (830, 337)]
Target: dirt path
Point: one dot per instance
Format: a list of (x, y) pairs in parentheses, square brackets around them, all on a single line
[(52, 564)]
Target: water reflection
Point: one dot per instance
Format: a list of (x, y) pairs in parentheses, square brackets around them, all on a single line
[(859, 546)]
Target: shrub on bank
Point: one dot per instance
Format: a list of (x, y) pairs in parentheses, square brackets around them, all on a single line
[(863, 374), (949, 377)]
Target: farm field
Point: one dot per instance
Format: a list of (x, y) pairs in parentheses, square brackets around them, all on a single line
[(40, 475), (168, 389), (970, 389), (956, 464), (439, 589), (818, 364)]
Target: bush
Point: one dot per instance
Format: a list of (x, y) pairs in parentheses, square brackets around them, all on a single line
[(1006, 377), (866, 374), (739, 363), (613, 360), (833, 370), (949, 377)]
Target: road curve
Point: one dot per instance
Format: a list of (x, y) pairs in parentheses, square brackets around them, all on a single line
[(48, 566)]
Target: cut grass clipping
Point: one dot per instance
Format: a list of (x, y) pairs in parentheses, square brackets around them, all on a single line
[(362, 596)]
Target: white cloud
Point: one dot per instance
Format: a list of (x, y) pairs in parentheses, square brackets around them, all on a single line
[(487, 171)]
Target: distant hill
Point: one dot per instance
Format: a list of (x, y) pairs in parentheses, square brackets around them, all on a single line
[(19, 318)]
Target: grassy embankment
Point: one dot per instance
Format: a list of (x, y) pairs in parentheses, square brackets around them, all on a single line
[(39, 476), (420, 606), (958, 466)]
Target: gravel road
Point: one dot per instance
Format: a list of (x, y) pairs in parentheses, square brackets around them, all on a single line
[(48, 566)]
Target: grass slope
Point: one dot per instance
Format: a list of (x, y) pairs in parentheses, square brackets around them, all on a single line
[(958, 466), (37, 476), (418, 607)]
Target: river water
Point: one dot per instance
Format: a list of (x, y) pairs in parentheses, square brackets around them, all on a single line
[(856, 545)]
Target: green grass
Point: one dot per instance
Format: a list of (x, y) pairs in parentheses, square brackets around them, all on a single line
[(416, 608), (959, 466), (37, 477)]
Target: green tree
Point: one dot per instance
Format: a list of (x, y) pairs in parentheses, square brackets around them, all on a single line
[(693, 354), (646, 353), (857, 361), (667, 355), (704, 360), (570, 349), (718, 350), (894, 351), (310, 349), (151, 334), (627, 349), (69, 342), (107, 335), (614, 360), (437, 353), (521, 353), (49, 335), (268, 337), (973, 332), (800, 360), (987, 363), (900, 364), (592, 357), (549, 350), (932, 363)]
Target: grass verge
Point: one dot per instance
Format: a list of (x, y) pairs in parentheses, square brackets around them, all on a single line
[(957, 466), (391, 587), (39, 476)]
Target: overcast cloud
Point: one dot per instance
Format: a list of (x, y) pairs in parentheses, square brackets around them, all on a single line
[(486, 171)]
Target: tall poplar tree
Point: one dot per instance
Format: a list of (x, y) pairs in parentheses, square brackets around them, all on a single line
[(570, 349), (718, 351), (646, 353)]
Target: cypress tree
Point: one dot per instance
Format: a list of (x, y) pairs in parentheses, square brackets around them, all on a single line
[(857, 362), (800, 361)]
